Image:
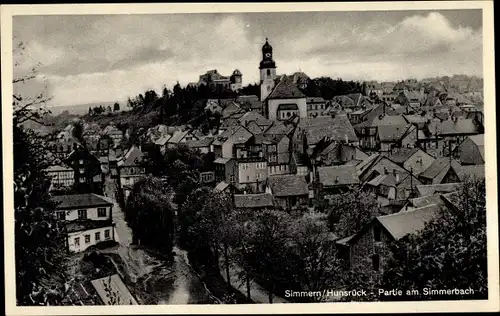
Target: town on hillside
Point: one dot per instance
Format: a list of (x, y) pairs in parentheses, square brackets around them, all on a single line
[(276, 192)]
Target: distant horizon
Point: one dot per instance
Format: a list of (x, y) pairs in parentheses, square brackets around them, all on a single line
[(121, 102), (86, 58)]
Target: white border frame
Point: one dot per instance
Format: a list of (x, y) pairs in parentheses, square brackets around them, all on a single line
[(492, 304)]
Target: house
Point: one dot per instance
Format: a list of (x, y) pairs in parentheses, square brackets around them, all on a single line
[(231, 109), (369, 249), (339, 154), (226, 169), (412, 159), (87, 171), (252, 173), (430, 189), (396, 136), (286, 100), (223, 186), (253, 201), (180, 137), (161, 143), (288, 190), (213, 106), (87, 218), (335, 179), (223, 144), (300, 165), (118, 288), (130, 169), (376, 165), (61, 176), (417, 120), (203, 144), (114, 133), (250, 103), (274, 148), (442, 170), (423, 201), (310, 131), (394, 186), (254, 119), (471, 150), (315, 106), (62, 147)]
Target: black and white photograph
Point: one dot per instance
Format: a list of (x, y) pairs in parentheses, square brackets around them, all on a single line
[(203, 157)]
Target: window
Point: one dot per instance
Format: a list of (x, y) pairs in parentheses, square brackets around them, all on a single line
[(82, 214), (376, 233), (268, 88), (87, 239), (106, 234), (248, 178), (61, 216), (101, 212), (376, 262), (81, 161), (97, 236), (231, 178), (82, 180), (268, 72), (77, 241)]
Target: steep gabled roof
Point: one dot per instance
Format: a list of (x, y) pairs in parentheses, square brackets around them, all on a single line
[(408, 222), (259, 200), (288, 185), (338, 175), (286, 90), (133, 157), (73, 201)]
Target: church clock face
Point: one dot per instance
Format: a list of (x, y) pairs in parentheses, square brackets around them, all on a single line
[(268, 55)]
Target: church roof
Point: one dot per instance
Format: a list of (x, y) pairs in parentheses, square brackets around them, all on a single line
[(286, 90)]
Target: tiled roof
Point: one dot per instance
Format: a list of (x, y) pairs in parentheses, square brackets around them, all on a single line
[(221, 186), (260, 200), (393, 133), (133, 157), (197, 143), (345, 240), (408, 222), (430, 189), (336, 128), (450, 127), (383, 179), (177, 137), (286, 90), (400, 155), (255, 117), (338, 175), (86, 224), (471, 172), (58, 168), (288, 185), (222, 161), (231, 108), (279, 128), (426, 200), (439, 168), (162, 140), (72, 201)]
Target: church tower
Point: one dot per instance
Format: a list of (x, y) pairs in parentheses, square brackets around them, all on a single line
[(267, 71)]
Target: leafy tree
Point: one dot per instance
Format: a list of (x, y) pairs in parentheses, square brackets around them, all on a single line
[(108, 108), (150, 214), (349, 212), (116, 107), (269, 249), (39, 239), (449, 253), (319, 267)]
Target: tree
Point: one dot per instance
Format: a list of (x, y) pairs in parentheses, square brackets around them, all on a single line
[(350, 211), (269, 249), (150, 214), (319, 267), (449, 253), (39, 238), (108, 109), (116, 107)]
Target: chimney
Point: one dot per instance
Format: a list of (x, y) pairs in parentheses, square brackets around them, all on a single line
[(346, 139), (396, 175), (385, 171)]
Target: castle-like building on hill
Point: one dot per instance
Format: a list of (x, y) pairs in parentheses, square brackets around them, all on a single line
[(215, 80), (281, 95)]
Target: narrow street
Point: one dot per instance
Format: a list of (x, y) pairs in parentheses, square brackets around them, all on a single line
[(156, 281)]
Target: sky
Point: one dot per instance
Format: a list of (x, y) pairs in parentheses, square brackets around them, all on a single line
[(96, 58)]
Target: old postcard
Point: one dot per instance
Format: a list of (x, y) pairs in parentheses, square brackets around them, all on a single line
[(249, 158)]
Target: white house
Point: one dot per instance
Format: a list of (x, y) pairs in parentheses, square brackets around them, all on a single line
[(88, 218)]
